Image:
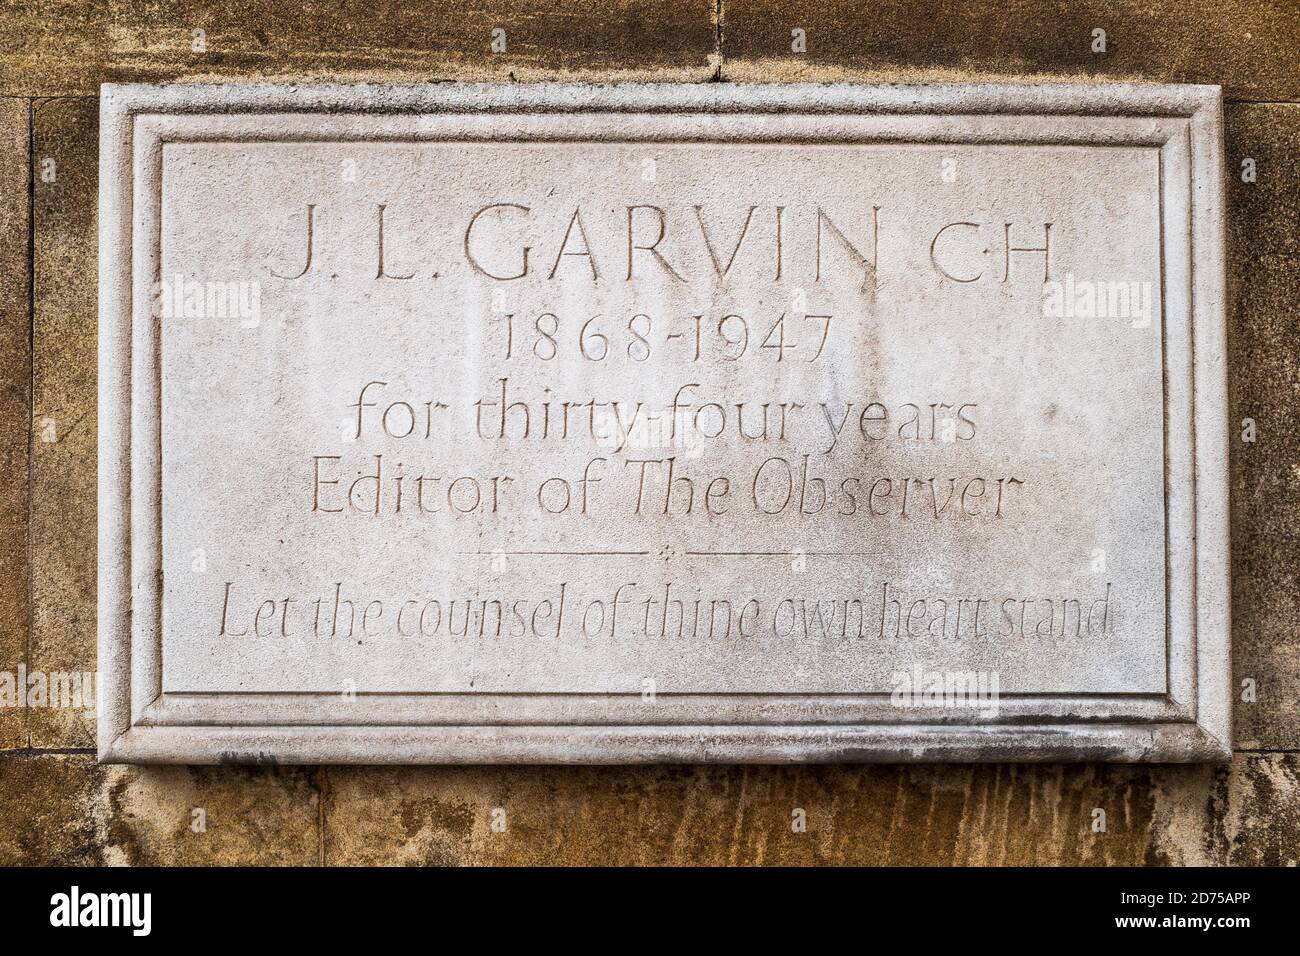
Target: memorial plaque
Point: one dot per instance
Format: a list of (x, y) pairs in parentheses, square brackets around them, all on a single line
[(662, 423)]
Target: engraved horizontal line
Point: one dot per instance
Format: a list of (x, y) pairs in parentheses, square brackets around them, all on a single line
[(567, 554), (694, 553), (781, 554)]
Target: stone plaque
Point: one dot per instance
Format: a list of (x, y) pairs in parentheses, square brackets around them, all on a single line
[(662, 423)]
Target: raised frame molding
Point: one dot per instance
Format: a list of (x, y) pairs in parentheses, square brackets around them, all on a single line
[(1192, 722)]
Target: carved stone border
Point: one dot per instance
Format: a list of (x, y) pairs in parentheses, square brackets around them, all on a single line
[(1191, 722)]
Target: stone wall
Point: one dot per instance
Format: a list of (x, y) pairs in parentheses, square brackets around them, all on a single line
[(58, 806)]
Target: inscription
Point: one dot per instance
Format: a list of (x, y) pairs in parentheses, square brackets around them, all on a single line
[(508, 432), (694, 423), (502, 242), (606, 420), (464, 428), (670, 613)]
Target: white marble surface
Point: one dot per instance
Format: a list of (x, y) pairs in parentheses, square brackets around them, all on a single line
[(859, 325)]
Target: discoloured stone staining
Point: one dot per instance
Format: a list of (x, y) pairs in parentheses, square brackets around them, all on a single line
[(1262, 816), (1246, 46), (63, 508), (64, 808), (98, 815), (15, 400), (69, 47), (720, 816), (988, 815), (1264, 243)]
